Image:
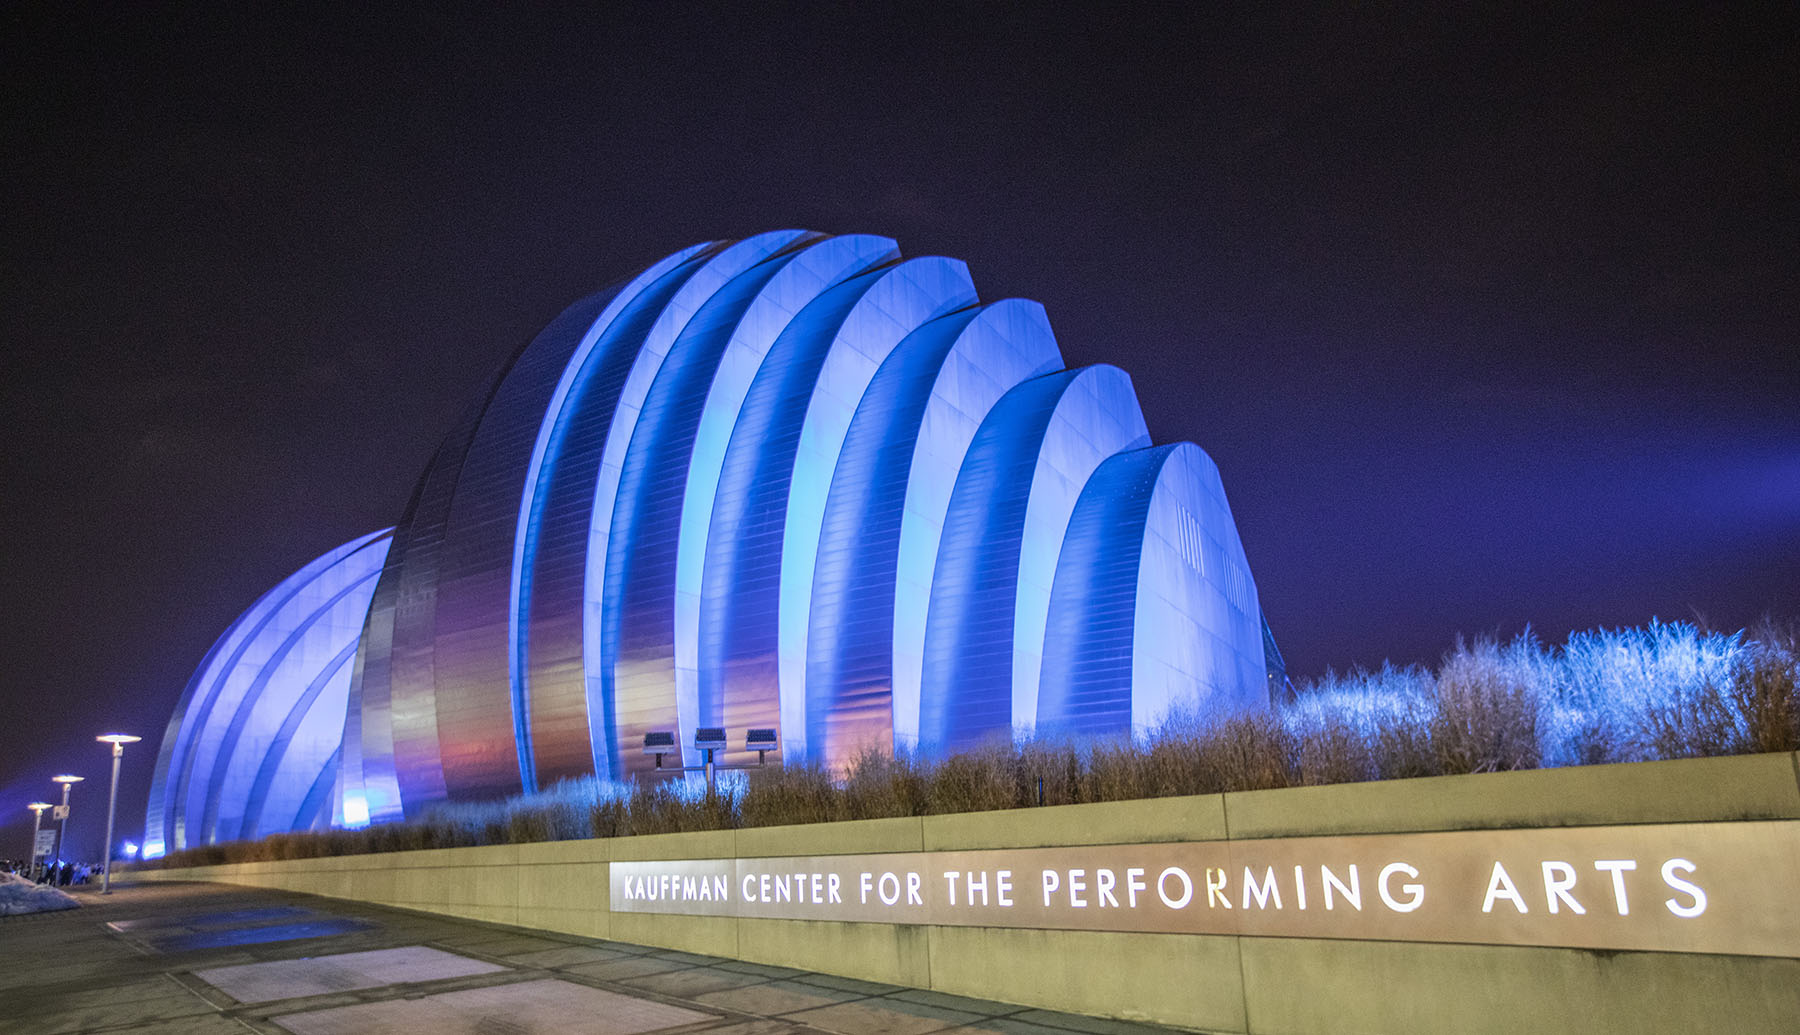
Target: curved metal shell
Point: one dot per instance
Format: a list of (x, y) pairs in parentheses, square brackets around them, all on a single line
[(787, 481)]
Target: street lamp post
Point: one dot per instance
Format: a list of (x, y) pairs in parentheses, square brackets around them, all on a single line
[(37, 815), (118, 742), (62, 830)]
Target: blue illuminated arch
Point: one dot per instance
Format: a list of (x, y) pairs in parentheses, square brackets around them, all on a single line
[(258, 673), (1153, 609), (883, 519), (641, 690), (800, 283), (1019, 482), (550, 559), (622, 428), (772, 485)]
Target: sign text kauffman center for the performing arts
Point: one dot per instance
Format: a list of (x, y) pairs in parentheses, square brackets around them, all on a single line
[(1702, 887)]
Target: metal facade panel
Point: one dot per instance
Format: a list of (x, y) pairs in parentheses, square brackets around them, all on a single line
[(1097, 417), (1085, 688), (1198, 637), (305, 638), (751, 539), (1006, 344), (550, 543), (736, 662), (638, 692), (481, 735), (370, 791), (671, 323), (410, 694), (847, 702), (265, 666), (813, 272), (316, 717), (991, 587), (914, 294), (159, 818), (965, 694)]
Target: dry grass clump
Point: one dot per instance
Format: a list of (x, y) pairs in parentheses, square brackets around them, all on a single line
[(1487, 707), (1667, 690), (879, 785), (791, 794), (1751, 707)]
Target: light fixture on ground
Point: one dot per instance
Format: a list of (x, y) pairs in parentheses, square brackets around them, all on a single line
[(62, 812), (118, 742), (709, 741), (37, 814)]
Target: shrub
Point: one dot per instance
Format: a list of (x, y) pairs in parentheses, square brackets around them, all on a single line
[(973, 781), (1487, 706), (879, 786), (791, 794)]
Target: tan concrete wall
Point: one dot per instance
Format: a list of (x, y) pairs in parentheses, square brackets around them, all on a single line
[(1210, 983)]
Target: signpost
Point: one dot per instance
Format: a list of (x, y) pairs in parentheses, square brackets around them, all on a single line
[(37, 816)]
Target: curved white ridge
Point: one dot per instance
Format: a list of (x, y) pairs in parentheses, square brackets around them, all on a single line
[(810, 274), (1096, 416), (547, 427), (1197, 631), (706, 281), (1008, 343), (911, 295)]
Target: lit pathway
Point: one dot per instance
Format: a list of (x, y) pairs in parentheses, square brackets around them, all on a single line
[(199, 959)]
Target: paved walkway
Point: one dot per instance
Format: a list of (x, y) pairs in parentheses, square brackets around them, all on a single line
[(202, 959)]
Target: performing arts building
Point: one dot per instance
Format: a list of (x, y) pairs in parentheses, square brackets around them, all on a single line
[(794, 482)]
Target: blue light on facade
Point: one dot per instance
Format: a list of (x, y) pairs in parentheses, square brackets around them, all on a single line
[(792, 481), (255, 744)]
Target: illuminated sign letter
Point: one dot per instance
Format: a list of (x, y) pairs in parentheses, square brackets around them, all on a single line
[(1501, 886), (1688, 888), (1352, 894), (1187, 888), (1415, 893), (1559, 877), (1265, 891)]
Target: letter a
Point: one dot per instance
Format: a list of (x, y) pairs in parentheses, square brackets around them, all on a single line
[(1501, 886)]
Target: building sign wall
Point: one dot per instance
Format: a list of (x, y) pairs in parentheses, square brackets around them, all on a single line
[(1698, 887)]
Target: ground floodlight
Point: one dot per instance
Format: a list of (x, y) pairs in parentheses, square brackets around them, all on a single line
[(710, 738), (762, 742), (659, 743)]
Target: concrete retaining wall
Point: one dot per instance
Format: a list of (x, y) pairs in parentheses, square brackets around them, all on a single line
[(1211, 983)]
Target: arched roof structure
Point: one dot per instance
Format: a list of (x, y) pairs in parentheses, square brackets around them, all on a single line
[(793, 480)]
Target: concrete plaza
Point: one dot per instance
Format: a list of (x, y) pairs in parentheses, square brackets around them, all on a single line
[(209, 959)]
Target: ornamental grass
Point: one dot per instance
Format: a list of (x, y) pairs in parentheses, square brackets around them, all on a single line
[(1666, 690)]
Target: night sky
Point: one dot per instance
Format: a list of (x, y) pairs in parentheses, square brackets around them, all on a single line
[(1489, 320)]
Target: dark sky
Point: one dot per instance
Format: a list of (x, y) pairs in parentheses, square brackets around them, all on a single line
[(1488, 319)]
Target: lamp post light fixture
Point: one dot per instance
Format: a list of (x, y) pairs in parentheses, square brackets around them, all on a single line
[(62, 813), (118, 742), (37, 815)]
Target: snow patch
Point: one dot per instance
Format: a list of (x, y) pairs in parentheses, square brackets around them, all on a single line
[(18, 895)]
